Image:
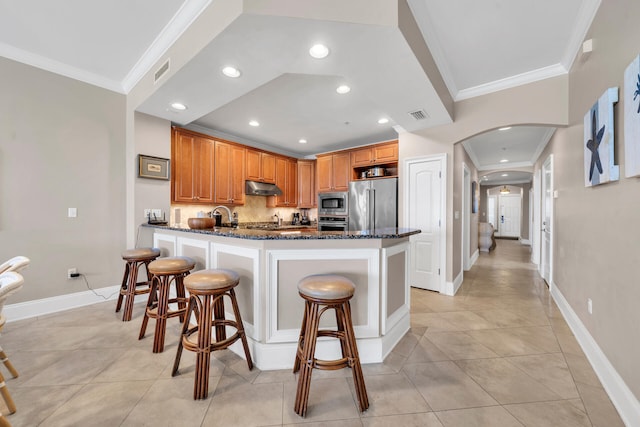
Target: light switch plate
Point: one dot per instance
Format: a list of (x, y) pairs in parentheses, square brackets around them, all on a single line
[(73, 212), (156, 213)]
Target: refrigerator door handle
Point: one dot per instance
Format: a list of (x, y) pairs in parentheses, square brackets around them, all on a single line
[(372, 209)]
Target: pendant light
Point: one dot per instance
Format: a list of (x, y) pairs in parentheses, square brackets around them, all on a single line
[(505, 190)]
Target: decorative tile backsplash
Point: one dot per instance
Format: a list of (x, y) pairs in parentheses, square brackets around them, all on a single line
[(254, 210)]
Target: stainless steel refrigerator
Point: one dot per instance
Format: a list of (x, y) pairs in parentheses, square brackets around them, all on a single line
[(373, 204)]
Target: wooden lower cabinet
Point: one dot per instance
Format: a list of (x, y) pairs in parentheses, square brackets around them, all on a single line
[(307, 194), (192, 168), (229, 173)]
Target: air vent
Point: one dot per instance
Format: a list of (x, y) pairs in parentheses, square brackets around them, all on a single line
[(161, 71), (419, 114)]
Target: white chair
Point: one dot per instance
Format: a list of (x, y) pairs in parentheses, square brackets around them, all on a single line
[(10, 282), (17, 263)]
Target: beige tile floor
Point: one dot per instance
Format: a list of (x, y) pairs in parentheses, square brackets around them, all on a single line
[(496, 354)]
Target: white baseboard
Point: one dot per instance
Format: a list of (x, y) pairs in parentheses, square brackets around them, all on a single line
[(40, 307), (622, 397), (474, 258), (450, 288), (525, 242)]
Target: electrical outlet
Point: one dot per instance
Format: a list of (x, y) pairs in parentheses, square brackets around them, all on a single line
[(589, 306), (71, 271), (156, 213), (147, 212)]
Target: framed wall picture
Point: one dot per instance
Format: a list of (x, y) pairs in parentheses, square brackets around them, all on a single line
[(153, 167), (475, 197), (631, 99), (599, 162)]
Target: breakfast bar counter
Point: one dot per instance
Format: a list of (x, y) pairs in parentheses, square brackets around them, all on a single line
[(270, 264)]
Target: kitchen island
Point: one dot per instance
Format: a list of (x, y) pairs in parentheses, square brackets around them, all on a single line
[(270, 264)]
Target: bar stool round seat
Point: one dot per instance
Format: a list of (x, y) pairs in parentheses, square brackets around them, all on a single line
[(207, 289), (165, 271), (130, 286), (323, 292)]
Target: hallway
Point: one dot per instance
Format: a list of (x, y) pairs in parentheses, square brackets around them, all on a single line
[(497, 354)]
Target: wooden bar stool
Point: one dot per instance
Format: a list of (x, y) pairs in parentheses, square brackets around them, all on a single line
[(323, 292), (207, 289), (165, 271), (130, 287)]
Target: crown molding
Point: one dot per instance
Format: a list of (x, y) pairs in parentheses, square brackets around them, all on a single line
[(472, 154), (513, 81), (56, 67), (584, 18), (185, 16), (543, 143)]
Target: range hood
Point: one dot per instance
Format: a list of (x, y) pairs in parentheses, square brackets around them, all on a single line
[(254, 188)]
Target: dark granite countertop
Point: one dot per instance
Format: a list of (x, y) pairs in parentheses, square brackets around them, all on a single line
[(289, 234)]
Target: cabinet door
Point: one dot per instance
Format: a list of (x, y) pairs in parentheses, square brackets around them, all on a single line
[(182, 156), (324, 173), (223, 173), (229, 173), (203, 172), (361, 157), (385, 153), (237, 174), (306, 184), (291, 191), (268, 162), (341, 172), (254, 165)]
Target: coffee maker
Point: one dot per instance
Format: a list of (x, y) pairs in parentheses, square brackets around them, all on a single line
[(305, 218), (295, 218)]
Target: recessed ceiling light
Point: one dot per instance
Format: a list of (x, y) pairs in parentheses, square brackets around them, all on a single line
[(231, 72), (178, 106), (254, 123), (505, 128), (504, 161), (319, 51), (342, 89), (302, 141), (383, 121), (505, 174)]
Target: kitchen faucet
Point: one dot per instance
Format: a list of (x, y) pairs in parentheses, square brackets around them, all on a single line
[(226, 209)]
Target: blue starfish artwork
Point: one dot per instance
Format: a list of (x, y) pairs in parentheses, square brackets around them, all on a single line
[(637, 92), (593, 144), (598, 141)]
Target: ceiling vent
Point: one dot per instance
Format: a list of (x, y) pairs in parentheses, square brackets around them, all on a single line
[(161, 72), (419, 114)]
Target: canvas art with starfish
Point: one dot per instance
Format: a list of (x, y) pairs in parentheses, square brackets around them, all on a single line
[(599, 163), (631, 101)]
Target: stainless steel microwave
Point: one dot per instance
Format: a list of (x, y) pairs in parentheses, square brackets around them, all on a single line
[(333, 203)]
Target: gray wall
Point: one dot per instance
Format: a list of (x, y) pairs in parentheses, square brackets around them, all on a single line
[(61, 146), (596, 251)]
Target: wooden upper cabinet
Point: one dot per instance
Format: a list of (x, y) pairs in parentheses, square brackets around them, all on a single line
[(307, 195), (261, 166), (333, 172), (229, 173), (385, 153), (287, 180), (374, 155), (191, 168)]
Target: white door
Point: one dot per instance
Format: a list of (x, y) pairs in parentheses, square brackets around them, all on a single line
[(535, 234), (424, 194), (547, 228), (510, 215)]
